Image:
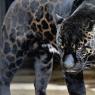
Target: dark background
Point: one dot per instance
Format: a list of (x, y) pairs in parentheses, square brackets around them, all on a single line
[(4, 5)]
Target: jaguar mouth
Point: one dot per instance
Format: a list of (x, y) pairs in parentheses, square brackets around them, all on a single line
[(81, 66), (76, 68)]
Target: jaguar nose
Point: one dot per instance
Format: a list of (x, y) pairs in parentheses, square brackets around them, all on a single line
[(69, 61)]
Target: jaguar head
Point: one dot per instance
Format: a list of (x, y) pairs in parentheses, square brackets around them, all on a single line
[(76, 41)]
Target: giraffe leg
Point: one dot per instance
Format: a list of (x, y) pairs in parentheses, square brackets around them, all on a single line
[(7, 72), (4, 90), (5, 78), (43, 70)]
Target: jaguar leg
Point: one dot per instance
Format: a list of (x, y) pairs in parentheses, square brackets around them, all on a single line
[(75, 83)]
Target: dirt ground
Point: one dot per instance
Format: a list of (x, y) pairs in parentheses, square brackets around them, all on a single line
[(28, 89), (23, 83)]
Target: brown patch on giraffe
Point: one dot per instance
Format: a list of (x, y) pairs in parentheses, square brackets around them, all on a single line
[(48, 17), (39, 28), (53, 28), (48, 35), (44, 24), (34, 25)]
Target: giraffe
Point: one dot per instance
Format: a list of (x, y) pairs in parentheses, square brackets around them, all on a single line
[(29, 30)]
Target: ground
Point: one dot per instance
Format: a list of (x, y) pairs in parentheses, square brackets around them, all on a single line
[(23, 83)]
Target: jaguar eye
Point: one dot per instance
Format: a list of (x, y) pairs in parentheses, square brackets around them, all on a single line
[(62, 46)]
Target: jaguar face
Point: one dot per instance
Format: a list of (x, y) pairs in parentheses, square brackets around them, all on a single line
[(77, 45)]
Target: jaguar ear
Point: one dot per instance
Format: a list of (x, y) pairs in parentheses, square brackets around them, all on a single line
[(59, 19)]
